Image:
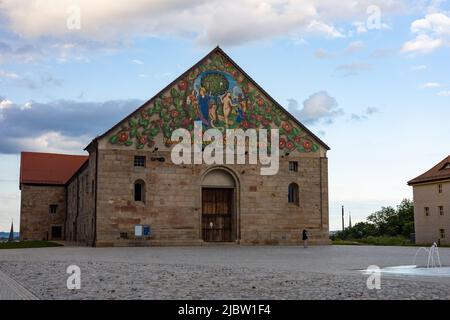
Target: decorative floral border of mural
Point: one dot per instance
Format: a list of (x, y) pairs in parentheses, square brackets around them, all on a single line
[(217, 94)]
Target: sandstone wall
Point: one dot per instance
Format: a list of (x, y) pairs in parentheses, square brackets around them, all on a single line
[(427, 228), (80, 222), (36, 220), (173, 200)]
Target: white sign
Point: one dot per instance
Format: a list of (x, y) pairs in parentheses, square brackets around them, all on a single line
[(138, 230)]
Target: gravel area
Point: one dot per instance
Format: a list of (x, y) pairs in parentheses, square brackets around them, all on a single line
[(217, 273)]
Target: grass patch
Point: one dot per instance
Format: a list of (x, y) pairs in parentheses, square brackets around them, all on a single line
[(376, 241), (28, 244)]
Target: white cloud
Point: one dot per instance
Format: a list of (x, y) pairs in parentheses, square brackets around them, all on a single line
[(432, 32), (320, 106), (54, 142), (354, 47), (10, 75), (27, 105), (438, 23), (4, 104), (137, 61), (419, 67), (444, 94), (321, 28), (208, 22), (354, 66), (430, 85), (422, 44), (60, 126), (371, 110), (360, 27), (322, 54), (365, 115), (352, 69)]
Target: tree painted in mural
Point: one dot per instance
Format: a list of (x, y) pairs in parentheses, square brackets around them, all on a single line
[(219, 96)]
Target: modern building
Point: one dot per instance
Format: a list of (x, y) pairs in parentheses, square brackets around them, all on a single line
[(129, 192), (432, 204)]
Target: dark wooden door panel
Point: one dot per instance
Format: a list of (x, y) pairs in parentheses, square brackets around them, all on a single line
[(217, 212)]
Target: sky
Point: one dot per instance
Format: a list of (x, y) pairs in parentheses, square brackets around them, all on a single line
[(370, 78)]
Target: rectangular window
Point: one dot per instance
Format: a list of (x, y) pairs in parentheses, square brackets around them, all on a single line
[(293, 166), (440, 188), (139, 161), (427, 211), (442, 233), (441, 210), (53, 208), (124, 235)]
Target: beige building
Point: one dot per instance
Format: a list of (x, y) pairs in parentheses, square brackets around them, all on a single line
[(432, 204), (127, 192)]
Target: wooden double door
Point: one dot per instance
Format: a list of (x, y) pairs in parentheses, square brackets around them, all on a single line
[(218, 214)]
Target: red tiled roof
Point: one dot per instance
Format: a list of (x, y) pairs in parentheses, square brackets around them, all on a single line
[(48, 168), (441, 171)]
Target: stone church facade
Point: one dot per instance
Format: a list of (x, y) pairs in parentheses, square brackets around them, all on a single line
[(127, 192)]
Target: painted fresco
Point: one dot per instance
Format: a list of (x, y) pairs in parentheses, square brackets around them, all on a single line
[(219, 96)]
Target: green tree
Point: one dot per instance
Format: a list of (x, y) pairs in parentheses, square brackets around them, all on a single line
[(388, 221)]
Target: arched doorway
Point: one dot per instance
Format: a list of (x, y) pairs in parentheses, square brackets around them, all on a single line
[(219, 212)]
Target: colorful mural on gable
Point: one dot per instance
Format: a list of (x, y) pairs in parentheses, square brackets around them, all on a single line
[(219, 96)]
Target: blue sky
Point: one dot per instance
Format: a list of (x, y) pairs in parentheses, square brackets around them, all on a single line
[(377, 94)]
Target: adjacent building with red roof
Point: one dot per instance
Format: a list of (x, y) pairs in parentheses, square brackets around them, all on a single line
[(432, 204), (43, 179)]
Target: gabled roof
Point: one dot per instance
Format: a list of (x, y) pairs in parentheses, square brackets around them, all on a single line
[(441, 171), (182, 76), (48, 168)]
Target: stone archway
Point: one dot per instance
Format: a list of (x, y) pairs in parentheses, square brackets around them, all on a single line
[(219, 210)]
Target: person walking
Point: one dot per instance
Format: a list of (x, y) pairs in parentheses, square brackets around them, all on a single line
[(305, 238)]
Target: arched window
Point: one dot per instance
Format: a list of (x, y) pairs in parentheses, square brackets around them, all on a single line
[(293, 194), (139, 191)]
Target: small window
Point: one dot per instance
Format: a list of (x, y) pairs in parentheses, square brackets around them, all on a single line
[(124, 235), (442, 233), (427, 211), (293, 166), (440, 188), (139, 161), (441, 210), (53, 208), (293, 194), (139, 191)]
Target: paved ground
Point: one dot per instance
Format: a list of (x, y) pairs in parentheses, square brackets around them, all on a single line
[(220, 272)]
